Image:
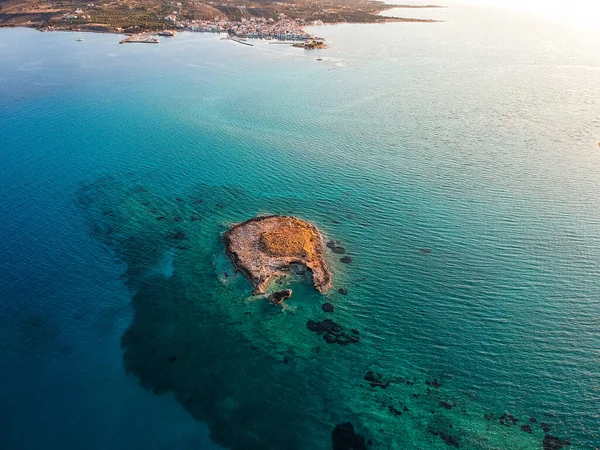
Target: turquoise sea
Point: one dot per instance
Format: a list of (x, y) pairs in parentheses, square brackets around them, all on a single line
[(457, 163)]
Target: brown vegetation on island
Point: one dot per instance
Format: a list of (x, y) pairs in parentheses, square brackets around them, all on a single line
[(264, 247)]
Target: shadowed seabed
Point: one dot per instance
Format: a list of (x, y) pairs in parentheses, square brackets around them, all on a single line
[(254, 371)]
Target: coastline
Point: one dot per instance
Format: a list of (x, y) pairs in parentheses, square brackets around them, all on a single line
[(260, 27)]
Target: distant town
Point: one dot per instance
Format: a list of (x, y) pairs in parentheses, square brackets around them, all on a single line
[(144, 19)]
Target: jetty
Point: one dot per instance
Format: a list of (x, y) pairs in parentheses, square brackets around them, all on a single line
[(241, 41)]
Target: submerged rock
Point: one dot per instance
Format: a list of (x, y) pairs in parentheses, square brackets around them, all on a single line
[(332, 332), (441, 426), (327, 307), (553, 443), (526, 428), (545, 427), (394, 410), (508, 420), (178, 235), (346, 259), (433, 383), (263, 247), (338, 250), (342, 291), (344, 437), (376, 380), (278, 297)]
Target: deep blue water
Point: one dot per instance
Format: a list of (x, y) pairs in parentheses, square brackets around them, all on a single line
[(457, 163)]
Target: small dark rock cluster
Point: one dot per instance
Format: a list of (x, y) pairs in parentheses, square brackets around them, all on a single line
[(553, 443), (446, 405), (332, 332), (344, 437), (339, 250), (395, 411), (433, 383), (376, 380), (550, 442), (508, 420), (526, 428), (441, 426), (179, 235), (343, 291)]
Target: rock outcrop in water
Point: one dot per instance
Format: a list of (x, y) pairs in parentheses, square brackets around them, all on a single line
[(278, 297), (263, 247)]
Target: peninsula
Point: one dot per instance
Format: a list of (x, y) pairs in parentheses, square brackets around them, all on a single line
[(264, 247), (268, 19)]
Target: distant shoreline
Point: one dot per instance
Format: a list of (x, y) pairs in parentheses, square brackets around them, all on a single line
[(270, 21)]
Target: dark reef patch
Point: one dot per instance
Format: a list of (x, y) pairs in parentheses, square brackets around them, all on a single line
[(553, 443), (376, 380), (327, 307), (508, 420), (332, 332), (441, 426), (254, 388), (344, 437), (433, 383)]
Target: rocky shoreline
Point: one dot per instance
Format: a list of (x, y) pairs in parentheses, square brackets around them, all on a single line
[(264, 247)]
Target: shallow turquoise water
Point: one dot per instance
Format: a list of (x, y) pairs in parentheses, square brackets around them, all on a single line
[(475, 139)]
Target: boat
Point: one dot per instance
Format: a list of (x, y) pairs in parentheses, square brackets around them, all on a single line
[(168, 33), (79, 39)]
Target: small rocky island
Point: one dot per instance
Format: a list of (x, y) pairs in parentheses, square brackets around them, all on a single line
[(265, 247)]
